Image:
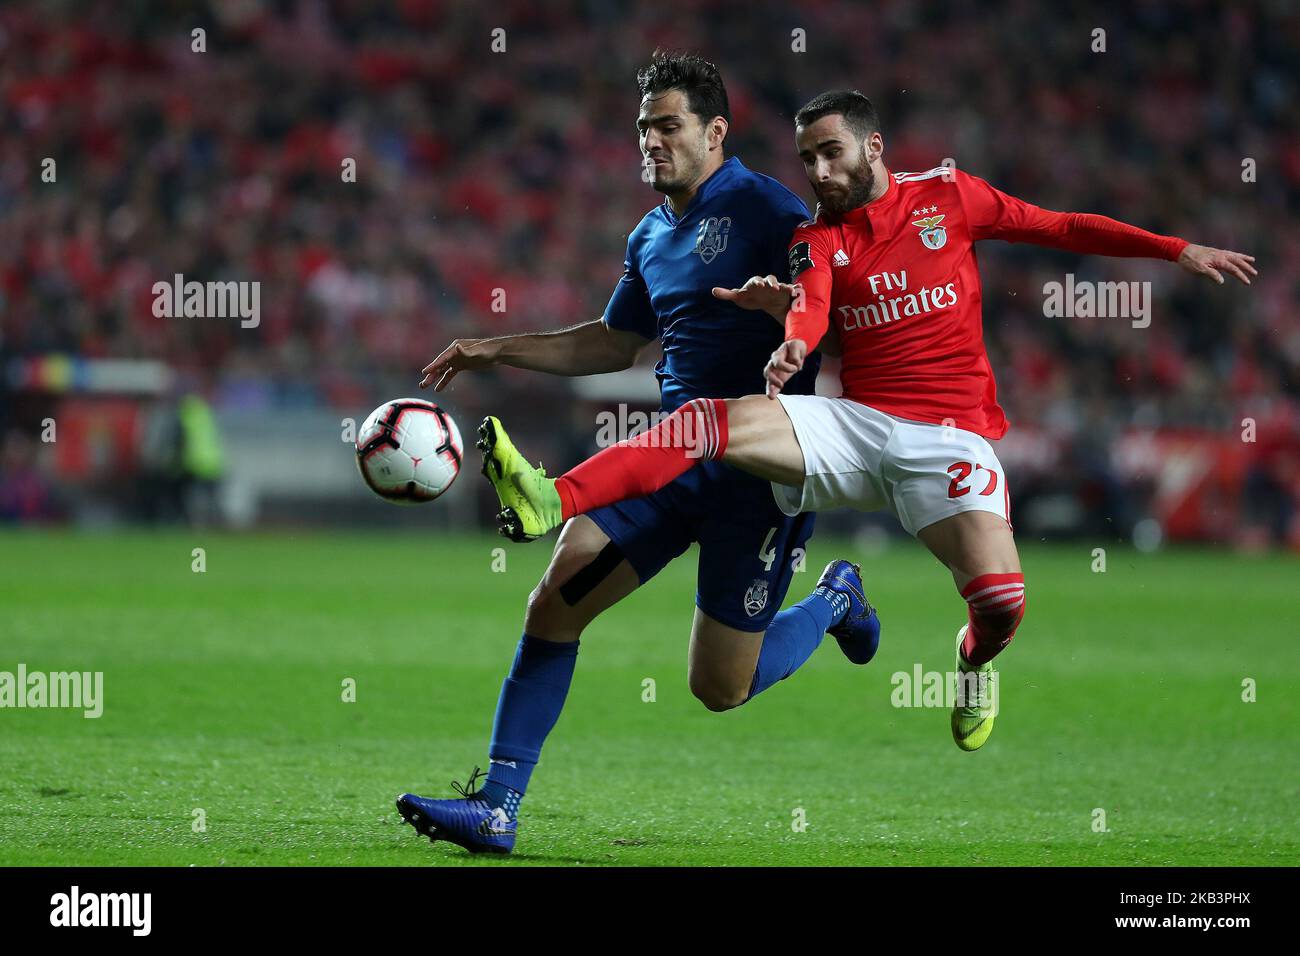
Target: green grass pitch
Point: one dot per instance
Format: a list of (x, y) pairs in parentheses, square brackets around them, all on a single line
[(223, 693)]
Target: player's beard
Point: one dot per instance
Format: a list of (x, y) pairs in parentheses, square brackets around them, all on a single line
[(862, 180), (685, 169), (676, 180)]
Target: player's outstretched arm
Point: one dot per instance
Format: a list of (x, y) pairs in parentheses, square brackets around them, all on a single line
[(769, 294), (586, 349), (1207, 261), (762, 293), (995, 215)]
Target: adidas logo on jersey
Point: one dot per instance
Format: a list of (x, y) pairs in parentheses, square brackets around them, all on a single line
[(840, 258)]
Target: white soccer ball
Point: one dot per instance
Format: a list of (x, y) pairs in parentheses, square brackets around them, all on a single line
[(409, 451)]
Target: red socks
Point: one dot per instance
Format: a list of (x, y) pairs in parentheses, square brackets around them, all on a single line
[(695, 432), (996, 605)]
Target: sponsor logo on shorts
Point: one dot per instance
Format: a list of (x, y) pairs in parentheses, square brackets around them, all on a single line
[(756, 597)]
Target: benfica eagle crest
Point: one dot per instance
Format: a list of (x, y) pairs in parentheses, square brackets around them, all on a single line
[(933, 235)]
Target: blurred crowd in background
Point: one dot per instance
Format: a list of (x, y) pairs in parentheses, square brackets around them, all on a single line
[(519, 170)]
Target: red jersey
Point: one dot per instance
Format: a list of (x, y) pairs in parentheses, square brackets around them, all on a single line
[(900, 280)]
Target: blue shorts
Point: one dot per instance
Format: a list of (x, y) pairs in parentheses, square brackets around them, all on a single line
[(748, 548)]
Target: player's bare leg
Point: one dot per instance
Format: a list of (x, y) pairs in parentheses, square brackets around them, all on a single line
[(972, 543), (575, 589), (761, 440), (721, 662), (979, 550), (587, 574), (728, 666)]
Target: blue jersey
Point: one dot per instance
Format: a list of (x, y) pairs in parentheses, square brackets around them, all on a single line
[(738, 225)]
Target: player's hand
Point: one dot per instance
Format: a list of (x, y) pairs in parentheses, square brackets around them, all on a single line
[(761, 292), (1203, 260), (462, 354), (785, 362)]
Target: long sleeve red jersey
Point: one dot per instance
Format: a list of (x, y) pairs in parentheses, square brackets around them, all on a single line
[(900, 279)]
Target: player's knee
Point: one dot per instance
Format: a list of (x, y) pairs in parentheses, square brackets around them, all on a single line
[(543, 601), (546, 616), (719, 702), (716, 696), (554, 607), (549, 615)]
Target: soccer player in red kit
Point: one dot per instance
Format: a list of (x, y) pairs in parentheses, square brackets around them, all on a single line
[(888, 265)]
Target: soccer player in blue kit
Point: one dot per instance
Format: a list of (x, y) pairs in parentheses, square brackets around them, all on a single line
[(719, 225)]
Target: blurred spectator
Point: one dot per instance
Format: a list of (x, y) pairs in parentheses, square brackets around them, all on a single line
[(494, 191), (26, 495)]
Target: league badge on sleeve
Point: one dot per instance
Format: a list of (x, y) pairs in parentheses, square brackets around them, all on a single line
[(800, 259)]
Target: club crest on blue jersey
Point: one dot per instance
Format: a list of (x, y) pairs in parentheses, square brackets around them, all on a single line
[(756, 597), (933, 235), (712, 238)]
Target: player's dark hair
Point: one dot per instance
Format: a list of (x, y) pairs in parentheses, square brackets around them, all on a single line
[(859, 115), (695, 76)]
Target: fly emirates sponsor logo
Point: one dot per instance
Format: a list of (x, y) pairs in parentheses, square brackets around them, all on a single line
[(894, 302)]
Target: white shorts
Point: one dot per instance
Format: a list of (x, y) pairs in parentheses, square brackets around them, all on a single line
[(858, 457)]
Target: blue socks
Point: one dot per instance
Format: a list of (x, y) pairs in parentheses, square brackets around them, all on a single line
[(532, 697), (533, 694), (794, 634)]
